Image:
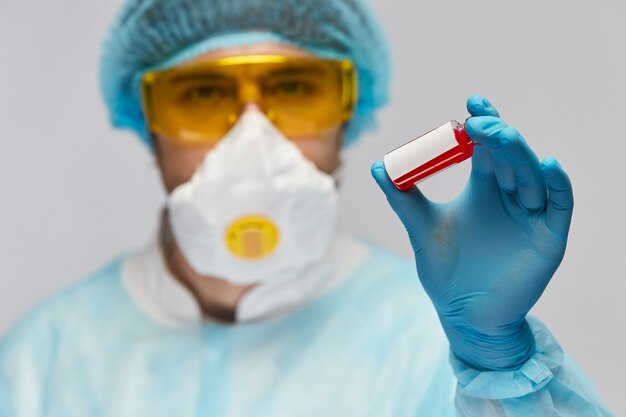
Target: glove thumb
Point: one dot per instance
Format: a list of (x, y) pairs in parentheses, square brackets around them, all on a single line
[(412, 207)]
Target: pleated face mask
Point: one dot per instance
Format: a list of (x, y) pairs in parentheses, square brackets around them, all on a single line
[(256, 209)]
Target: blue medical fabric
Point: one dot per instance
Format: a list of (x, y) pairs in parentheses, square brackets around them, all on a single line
[(372, 346)]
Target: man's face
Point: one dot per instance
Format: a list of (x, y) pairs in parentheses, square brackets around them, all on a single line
[(177, 162)]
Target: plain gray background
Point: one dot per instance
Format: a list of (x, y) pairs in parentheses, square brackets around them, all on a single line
[(74, 193)]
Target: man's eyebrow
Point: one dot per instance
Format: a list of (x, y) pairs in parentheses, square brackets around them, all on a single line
[(215, 76), (296, 70), (199, 76)]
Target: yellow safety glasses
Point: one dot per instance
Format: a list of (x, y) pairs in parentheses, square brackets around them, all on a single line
[(199, 103)]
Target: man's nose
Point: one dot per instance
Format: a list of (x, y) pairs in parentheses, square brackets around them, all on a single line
[(251, 106)]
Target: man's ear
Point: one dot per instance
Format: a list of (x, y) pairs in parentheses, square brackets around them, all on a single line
[(157, 152), (156, 149), (342, 134)]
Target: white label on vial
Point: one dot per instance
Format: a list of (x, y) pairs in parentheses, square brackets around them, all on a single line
[(406, 158)]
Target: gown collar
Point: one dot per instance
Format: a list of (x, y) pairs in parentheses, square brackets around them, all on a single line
[(166, 300)]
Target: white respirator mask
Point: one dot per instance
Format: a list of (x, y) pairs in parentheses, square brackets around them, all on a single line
[(256, 210)]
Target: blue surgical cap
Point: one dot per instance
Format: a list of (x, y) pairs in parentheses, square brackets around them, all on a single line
[(150, 34)]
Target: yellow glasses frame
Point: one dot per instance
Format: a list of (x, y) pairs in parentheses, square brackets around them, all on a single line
[(157, 100)]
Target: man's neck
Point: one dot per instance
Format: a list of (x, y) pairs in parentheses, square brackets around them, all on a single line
[(217, 298)]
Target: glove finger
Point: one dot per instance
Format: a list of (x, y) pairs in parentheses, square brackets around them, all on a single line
[(510, 151), (505, 174), (481, 160), (531, 186), (478, 105), (412, 207), (485, 129), (560, 197)]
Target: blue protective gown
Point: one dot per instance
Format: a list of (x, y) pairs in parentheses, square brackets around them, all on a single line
[(369, 346)]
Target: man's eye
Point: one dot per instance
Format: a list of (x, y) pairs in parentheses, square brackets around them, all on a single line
[(205, 93), (292, 89)]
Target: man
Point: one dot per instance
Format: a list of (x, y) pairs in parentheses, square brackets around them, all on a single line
[(249, 302)]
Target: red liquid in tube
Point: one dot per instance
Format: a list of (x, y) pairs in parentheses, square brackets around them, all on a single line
[(428, 154)]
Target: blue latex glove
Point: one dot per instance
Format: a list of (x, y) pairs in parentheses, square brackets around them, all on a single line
[(486, 257)]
